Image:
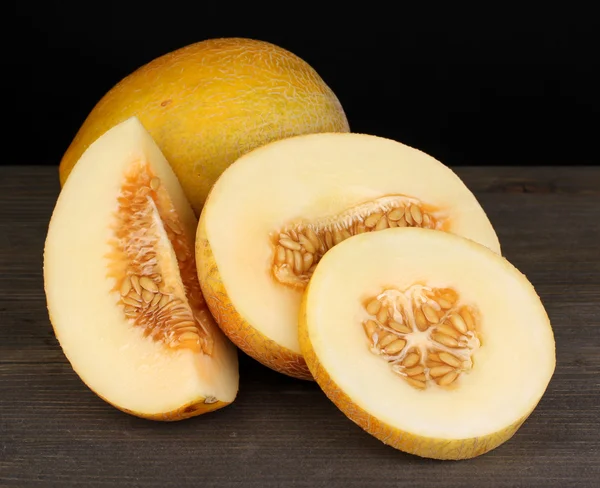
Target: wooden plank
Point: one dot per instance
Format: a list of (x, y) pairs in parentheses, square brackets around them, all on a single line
[(282, 432)]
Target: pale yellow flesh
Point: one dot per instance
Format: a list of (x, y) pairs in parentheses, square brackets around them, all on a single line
[(310, 177), (512, 368), (109, 354)]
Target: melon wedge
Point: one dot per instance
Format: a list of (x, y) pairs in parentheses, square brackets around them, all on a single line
[(121, 284), (272, 215), (430, 342)]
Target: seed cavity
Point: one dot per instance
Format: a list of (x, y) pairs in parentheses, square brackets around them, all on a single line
[(313, 239), (426, 334), (167, 308)]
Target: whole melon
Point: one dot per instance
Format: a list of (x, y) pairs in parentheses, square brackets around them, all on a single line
[(208, 103)]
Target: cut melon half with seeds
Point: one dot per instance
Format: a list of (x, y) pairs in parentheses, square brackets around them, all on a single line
[(429, 341), (276, 211), (121, 284)]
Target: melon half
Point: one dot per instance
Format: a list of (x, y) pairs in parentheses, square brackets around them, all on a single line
[(277, 210), (429, 341), (121, 284)]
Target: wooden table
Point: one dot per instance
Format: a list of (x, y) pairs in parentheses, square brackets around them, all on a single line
[(282, 432)]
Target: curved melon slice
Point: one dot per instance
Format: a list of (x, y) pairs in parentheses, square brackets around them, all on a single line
[(122, 289), (430, 342), (273, 214)]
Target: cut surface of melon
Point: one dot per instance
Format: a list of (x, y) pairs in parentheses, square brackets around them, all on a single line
[(121, 284), (274, 213), (503, 357)]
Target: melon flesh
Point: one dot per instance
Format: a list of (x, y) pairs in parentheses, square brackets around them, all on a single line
[(511, 368), (311, 180), (137, 367)]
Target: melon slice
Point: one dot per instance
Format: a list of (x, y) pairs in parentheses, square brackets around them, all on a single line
[(274, 213), (121, 284), (430, 342)]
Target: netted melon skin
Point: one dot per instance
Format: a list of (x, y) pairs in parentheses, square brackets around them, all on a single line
[(223, 97)]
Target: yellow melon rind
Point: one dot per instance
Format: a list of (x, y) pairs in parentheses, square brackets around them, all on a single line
[(193, 409), (184, 412)]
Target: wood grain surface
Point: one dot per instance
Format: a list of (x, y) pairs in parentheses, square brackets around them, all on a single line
[(282, 432)]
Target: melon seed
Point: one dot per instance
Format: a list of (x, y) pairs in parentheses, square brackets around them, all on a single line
[(410, 360), (402, 328), (450, 359), (289, 244), (308, 246), (440, 370), (155, 300), (371, 220), (448, 378), (447, 329), (395, 347), (388, 339), (416, 214), (135, 281), (373, 306), (459, 324), (430, 314), (396, 214), (130, 301), (125, 286), (370, 328), (414, 371), (444, 339), (155, 183), (420, 320), (147, 296), (382, 223), (468, 318), (382, 315), (147, 284)]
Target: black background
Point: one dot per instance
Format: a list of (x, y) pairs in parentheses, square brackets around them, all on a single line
[(491, 86)]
